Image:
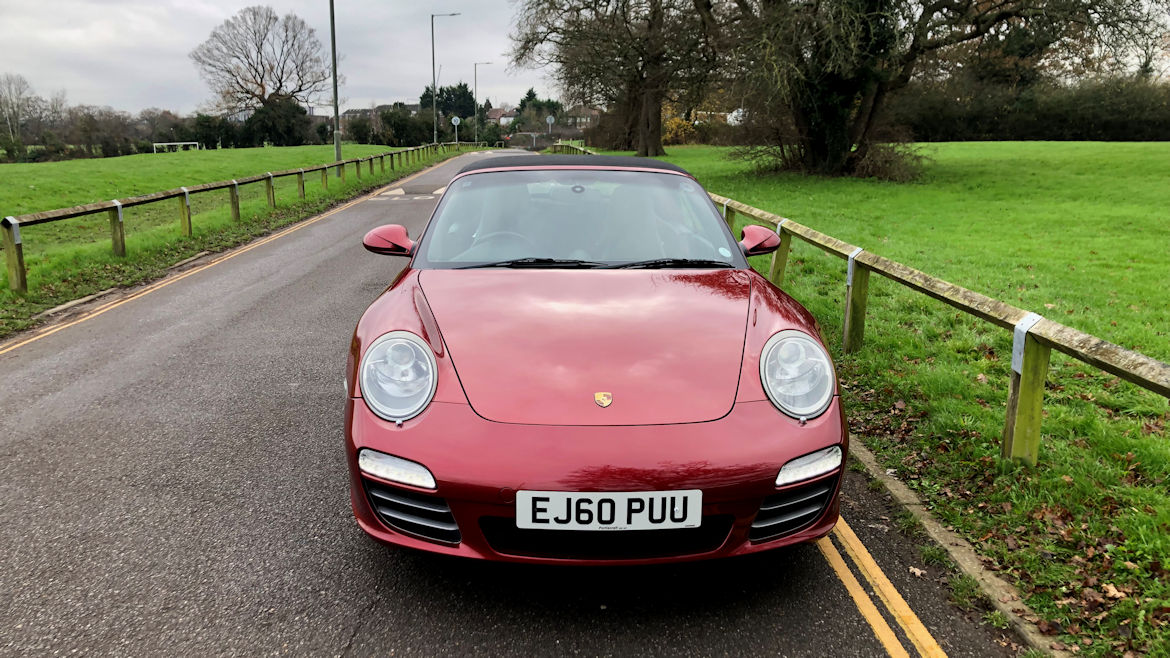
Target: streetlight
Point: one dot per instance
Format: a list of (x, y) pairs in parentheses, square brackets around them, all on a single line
[(336, 115), (475, 75), (434, 81)]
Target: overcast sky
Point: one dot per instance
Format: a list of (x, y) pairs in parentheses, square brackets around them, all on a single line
[(132, 54)]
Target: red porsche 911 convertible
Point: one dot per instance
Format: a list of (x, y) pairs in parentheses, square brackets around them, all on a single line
[(579, 366)]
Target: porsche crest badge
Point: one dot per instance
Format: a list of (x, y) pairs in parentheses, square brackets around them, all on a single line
[(603, 398)]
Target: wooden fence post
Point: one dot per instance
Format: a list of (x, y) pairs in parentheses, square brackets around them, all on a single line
[(371, 165), (301, 183), (117, 230), (357, 168), (780, 256), (1025, 406), (234, 198), (729, 217), (856, 298), (14, 255), (325, 178), (185, 213), (391, 162), (341, 170), (381, 163), (270, 190)]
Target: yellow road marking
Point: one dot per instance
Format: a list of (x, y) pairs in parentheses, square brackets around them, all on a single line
[(231, 254), (865, 606), (923, 641)]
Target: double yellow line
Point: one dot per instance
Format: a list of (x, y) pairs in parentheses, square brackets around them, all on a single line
[(924, 644)]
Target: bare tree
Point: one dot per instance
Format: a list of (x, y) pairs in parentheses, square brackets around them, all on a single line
[(255, 56), (631, 55), (15, 97)]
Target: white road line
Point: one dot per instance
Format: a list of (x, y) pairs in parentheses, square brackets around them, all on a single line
[(440, 190), (397, 190)]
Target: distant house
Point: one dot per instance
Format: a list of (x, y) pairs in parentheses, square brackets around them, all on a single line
[(581, 117), (500, 116)]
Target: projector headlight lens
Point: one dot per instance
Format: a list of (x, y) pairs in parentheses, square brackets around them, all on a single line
[(398, 376), (797, 374)]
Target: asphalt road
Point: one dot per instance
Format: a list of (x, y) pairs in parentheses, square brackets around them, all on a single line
[(172, 481)]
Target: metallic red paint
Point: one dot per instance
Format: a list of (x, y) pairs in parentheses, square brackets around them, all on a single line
[(479, 464), (758, 240), (533, 346), (680, 351)]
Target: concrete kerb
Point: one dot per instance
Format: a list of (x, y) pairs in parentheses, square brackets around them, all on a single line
[(1001, 594)]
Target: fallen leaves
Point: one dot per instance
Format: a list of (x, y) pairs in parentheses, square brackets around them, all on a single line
[(1112, 592)]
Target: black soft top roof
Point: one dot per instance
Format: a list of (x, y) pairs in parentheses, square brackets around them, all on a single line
[(572, 161)]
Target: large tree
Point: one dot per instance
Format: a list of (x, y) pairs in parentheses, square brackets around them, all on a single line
[(814, 75), (256, 56), (630, 55)]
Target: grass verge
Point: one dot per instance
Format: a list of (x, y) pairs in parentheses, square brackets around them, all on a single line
[(68, 262), (1075, 231)]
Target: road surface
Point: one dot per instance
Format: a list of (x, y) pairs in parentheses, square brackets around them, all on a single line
[(172, 481)]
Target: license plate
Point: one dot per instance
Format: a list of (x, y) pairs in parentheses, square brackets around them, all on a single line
[(609, 510)]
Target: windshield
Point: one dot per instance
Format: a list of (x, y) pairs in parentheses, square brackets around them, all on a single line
[(577, 218)]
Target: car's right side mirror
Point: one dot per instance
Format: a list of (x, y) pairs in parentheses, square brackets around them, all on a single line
[(757, 240), (390, 240)]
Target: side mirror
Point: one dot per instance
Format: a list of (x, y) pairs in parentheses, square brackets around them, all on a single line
[(389, 240), (758, 240)]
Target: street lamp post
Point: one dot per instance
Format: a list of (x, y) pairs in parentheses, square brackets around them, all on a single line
[(336, 114), (434, 82), (475, 93)]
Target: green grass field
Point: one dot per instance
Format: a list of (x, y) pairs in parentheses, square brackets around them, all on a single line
[(72, 258), (1078, 232)]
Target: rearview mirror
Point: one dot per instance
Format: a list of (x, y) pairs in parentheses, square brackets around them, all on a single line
[(389, 240), (758, 240)]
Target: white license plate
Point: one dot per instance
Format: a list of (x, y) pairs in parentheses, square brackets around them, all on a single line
[(609, 510)]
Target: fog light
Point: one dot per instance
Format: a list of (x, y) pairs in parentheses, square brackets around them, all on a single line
[(810, 466), (395, 469)]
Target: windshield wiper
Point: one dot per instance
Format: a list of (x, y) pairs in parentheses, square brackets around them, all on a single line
[(670, 262), (550, 263)]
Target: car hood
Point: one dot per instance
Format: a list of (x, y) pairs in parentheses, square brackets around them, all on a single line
[(536, 346)]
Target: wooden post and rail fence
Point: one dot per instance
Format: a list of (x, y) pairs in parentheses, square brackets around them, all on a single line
[(1033, 337), (14, 247)]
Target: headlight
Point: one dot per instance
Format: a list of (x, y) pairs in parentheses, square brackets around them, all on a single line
[(398, 376), (810, 466), (796, 374)]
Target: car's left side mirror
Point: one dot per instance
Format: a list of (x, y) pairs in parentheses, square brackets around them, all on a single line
[(390, 240), (758, 240)]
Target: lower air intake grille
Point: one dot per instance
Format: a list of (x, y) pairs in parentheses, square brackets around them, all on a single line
[(792, 509), (505, 537), (427, 517)]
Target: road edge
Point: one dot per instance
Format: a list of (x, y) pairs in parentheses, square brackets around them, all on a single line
[(1002, 595)]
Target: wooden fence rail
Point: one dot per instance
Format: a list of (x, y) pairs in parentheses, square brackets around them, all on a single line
[(1034, 337), (10, 226), (569, 149)]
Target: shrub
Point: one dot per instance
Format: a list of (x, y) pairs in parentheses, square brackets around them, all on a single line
[(677, 130)]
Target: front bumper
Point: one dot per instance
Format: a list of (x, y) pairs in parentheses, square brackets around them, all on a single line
[(479, 465)]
